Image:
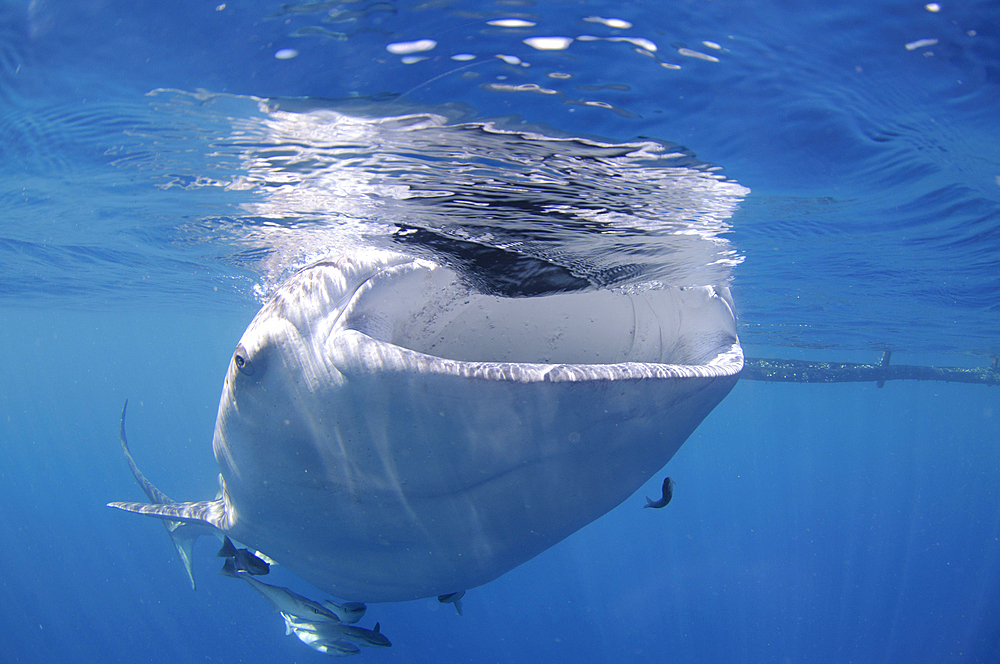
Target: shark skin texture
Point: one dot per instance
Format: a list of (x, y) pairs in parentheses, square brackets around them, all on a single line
[(388, 433)]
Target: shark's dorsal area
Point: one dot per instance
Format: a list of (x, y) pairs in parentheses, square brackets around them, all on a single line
[(389, 433)]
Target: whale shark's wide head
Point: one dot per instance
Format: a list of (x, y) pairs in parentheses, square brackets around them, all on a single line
[(389, 433)]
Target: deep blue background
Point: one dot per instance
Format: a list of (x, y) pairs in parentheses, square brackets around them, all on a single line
[(839, 523)]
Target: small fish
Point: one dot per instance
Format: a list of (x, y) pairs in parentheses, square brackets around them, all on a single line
[(348, 612), (284, 600), (244, 560), (668, 493), (334, 648), (453, 598), (366, 637), (326, 631)]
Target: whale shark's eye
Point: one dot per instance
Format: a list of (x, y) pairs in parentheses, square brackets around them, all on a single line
[(242, 360)]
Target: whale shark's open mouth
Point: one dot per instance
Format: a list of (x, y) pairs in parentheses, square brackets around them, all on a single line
[(430, 311)]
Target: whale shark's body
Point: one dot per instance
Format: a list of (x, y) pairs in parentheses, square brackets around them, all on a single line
[(388, 433)]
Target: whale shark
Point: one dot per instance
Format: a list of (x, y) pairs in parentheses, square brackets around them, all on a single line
[(387, 431)]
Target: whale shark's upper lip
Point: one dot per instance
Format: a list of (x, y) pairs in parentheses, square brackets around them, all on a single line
[(361, 345)]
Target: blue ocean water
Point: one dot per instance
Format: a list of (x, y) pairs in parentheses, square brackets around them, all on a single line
[(163, 168)]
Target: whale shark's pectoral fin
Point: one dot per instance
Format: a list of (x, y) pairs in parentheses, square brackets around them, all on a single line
[(154, 494), (210, 513), (182, 534)]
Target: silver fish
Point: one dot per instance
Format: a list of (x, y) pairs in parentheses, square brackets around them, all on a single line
[(331, 631)]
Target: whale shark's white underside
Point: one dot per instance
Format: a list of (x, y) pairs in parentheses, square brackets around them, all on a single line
[(387, 433)]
